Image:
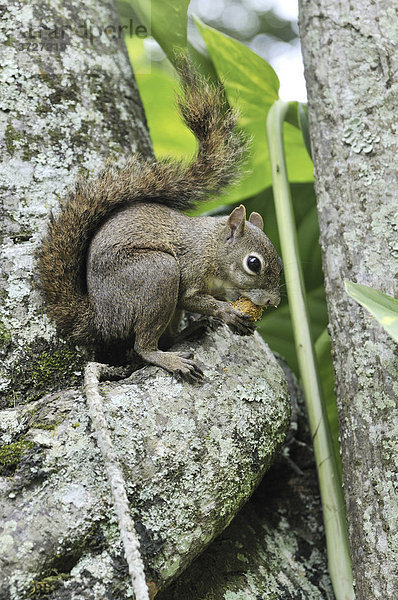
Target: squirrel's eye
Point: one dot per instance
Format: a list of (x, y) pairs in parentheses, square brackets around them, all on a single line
[(253, 263)]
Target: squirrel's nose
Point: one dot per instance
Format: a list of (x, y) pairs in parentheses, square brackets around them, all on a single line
[(273, 301), (263, 297)]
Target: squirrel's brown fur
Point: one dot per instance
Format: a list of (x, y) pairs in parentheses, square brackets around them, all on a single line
[(120, 261), (62, 255)]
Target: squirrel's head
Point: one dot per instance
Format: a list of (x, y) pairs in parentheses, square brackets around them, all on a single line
[(249, 265)]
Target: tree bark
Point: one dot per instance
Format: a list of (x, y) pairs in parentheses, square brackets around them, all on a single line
[(351, 66), (68, 101), (191, 457), (275, 546)]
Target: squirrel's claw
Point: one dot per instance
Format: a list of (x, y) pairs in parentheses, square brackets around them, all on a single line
[(243, 328), (179, 364), (188, 370), (238, 322)]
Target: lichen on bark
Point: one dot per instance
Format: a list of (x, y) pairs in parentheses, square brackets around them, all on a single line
[(68, 101), (190, 458), (351, 68)]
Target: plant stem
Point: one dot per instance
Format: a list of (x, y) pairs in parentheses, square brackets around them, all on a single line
[(331, 493)]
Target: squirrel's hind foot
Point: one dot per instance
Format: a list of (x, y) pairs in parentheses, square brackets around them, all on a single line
[(180, 364), (112, 373)]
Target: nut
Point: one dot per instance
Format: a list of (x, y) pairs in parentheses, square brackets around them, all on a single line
[(247, 307)]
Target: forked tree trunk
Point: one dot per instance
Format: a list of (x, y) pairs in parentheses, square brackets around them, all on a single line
[(351, 66), (69, 101)]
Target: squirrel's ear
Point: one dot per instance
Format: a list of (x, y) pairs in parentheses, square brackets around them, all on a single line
[(256, 220), (236, 222)]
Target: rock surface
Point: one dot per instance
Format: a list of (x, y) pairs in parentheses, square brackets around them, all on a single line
[(191, 455)]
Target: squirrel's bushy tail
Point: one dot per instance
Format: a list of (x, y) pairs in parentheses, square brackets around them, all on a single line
[(205, 110), (62, 255)]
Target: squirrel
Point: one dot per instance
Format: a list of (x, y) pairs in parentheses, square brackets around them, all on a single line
[(121, 261)]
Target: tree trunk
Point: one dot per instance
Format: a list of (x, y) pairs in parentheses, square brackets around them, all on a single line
[(274, 549), (351, 66), (190, 455), (68, 101)]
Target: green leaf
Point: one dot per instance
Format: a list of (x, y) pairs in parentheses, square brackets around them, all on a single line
[(248, 76), (299, 165), (383, 307), (292, 114), (276, 327), (309, 249), (252, 86), (166, 21), (306, 218), (170, 137)]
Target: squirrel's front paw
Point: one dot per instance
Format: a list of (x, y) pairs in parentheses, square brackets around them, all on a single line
[(237, 321)]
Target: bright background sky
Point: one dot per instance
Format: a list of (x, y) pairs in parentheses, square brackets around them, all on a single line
[(243, 16)]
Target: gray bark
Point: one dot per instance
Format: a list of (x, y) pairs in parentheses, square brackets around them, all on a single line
[(191, 457), (351, 66), (67, 102), (275, 546)]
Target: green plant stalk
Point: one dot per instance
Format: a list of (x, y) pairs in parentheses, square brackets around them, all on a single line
[(339, 560)]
